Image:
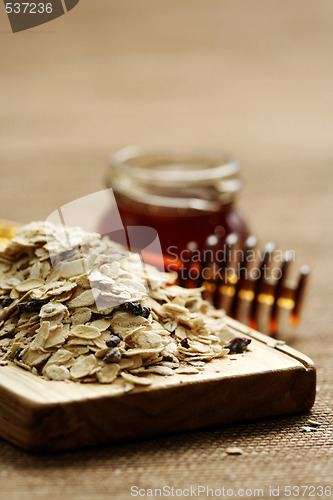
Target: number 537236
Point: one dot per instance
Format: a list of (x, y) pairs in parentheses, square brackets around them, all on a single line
[(28, 8)]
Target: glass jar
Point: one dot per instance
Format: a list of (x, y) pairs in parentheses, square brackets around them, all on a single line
[(186, 195)]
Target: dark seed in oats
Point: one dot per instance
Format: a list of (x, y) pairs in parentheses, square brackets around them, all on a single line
[(113, 341), (238, 345), (137, 309), (112, 356), (6, 301), (184, 343), (31, 306)]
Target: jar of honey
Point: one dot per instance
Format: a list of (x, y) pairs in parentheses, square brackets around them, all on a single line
[(186, 195)]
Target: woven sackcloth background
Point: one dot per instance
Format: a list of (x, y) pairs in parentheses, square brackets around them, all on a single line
[(251, 77)]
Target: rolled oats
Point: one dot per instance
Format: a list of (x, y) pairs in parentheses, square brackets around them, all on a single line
[(84, 365), (159, 370), (86, 298), (187, 370), (85, 332), (57, 336), (29, 284), (81, 315), (85, 313), (108, 373), (56, 372), (133, 379), (234, 450)]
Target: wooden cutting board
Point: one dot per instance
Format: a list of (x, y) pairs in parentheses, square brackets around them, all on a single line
[(48, 416)]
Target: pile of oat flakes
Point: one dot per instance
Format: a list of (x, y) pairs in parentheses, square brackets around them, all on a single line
[(83, 311)]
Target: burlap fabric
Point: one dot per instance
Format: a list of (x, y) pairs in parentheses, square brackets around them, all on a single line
[(252, 77)]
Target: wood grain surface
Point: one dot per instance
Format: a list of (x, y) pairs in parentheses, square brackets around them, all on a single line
[(47, 416)]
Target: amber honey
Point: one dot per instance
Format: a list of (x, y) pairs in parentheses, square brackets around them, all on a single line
[(177, 229), (184, 195)]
